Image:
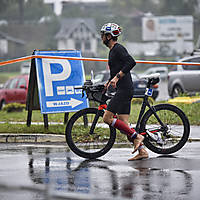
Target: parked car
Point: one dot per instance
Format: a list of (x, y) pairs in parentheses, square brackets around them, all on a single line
[(163, 71), (139, 85), (185, 79), (14, 90)]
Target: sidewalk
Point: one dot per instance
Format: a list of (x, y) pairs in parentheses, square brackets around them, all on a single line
[(55, 138)]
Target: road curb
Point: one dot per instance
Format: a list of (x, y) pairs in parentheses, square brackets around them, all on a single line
[(31, 138), (41, 138)]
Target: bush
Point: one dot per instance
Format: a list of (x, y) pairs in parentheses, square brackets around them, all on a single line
[(14, 107)]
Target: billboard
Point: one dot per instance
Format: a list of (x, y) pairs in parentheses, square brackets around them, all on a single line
[(167, 28), (57, 80)]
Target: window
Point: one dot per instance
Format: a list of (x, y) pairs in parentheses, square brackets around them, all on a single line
[(134, 77), (78, 45), (13, 83), (22, 81), (87, 45), (98, 78), (7, 84), (192, 67)]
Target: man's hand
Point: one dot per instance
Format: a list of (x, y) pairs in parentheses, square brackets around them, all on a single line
[(113, 82)]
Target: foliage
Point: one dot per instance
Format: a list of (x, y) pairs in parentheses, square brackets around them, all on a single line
[(14, 107), (178, 7), (127, 13), (24, 10), (159, 7), (128, 6), (3, 78), (7, 117)]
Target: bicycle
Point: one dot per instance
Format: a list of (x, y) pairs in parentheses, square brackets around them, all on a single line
[(165, 127)]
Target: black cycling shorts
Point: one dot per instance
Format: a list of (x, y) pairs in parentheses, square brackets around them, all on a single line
[(121, 102)]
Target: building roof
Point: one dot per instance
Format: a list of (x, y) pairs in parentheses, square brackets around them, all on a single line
[(68, 26), (10, 38)]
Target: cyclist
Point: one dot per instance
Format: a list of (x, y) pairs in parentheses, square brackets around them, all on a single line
[(120, 63)]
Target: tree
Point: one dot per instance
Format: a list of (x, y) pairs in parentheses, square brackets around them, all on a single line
[(129, 6), (23, 10), (4, 4), (178, 7)]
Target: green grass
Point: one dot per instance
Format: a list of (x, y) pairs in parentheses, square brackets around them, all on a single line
[(4, 76), (191, 110), (22, 128)]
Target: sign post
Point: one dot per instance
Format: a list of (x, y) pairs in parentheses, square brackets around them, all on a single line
[(55, 81)]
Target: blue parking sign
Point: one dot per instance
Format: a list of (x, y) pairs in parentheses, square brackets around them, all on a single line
[(57, 80)]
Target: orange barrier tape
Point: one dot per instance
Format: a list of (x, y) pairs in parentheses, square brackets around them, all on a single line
[(93, 59), (166, 63), (15, 60), (72, 58)]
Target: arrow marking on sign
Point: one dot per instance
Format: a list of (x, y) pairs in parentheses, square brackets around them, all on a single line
[(75, 102), (72, 102)]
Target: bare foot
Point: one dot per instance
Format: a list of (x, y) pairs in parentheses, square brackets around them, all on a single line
[(142, 155), (137, 141)]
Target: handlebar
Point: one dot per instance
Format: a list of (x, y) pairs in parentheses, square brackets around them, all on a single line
[(94, 92), (98, 92)]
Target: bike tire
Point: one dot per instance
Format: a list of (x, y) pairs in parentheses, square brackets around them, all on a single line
[(177, 124), (84, 144)]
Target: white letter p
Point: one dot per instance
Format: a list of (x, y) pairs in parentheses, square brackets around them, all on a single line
[(49, 77)]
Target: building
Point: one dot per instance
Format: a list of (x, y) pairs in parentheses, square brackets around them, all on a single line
[(78, 34), (10, 47), (58, 4)]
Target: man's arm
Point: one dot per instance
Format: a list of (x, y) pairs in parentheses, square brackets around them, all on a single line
[(128, 60), (116, 78)]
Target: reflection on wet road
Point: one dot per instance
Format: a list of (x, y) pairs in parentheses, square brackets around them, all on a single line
[(172, 177)]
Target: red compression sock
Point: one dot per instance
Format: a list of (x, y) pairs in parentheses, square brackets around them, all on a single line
[(120, 125)]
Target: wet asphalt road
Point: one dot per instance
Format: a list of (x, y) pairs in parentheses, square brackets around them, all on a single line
[(60, 171), (56, 171)]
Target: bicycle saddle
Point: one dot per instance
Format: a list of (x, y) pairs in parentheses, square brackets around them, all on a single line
[(151, 76)]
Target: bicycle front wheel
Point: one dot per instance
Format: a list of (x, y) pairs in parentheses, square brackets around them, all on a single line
[(173, 135), (80, 139)]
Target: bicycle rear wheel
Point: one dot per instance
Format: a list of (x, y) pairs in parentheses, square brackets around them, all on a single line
[(87, 145), (173, 135)]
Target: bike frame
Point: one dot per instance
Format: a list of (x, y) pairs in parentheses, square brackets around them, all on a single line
[(145, 104)]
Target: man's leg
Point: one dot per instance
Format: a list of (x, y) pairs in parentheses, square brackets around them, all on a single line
[(122, 126), (142, 151), (137, 141), (141, 155)]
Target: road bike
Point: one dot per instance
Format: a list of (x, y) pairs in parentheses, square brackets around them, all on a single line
[(165, 127)]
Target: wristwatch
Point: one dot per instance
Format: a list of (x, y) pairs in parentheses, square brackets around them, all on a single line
[(118, 76)]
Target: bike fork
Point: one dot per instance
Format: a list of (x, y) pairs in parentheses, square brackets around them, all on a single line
[(100, 108), (94, 123)]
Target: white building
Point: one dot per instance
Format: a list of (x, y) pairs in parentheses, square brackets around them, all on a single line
[(78, 34)]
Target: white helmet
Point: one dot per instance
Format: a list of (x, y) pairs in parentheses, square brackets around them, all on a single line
[(111, 28)]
